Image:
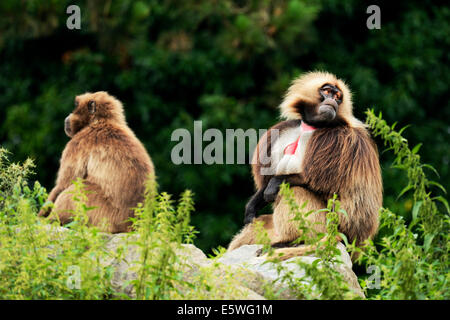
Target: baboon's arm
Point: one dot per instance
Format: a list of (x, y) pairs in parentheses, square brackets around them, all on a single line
[(255, 203), (69, 170)]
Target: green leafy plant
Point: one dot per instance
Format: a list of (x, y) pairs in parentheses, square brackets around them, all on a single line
[(163, 272), (160, 230), (321, 279), (14, 175), (412, 257), (39, 261)]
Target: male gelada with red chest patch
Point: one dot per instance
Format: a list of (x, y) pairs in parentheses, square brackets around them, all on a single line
[(320, 150)]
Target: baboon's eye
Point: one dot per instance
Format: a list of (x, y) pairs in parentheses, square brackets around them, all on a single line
[(76, 103), (91, 106), (326, 89)]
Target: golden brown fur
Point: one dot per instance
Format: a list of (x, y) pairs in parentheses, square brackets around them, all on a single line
[(339, 159), (106, 154)]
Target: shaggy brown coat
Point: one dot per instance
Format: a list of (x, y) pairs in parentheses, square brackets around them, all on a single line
[(106, 154), (341, 159)]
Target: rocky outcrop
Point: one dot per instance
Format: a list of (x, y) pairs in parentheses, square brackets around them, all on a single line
[(272, 273), (252, 276), (238, 274)]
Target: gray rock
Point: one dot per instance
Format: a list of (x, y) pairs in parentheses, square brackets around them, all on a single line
[(238, 274), (246, 258), (192, 261)]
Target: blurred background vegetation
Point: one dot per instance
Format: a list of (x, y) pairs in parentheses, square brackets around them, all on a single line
[(228, 64)]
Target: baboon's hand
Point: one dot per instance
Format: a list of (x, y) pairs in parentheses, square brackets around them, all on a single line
[(255, 203), (271, 194), (250, 213), (271, 191), (44, 212)]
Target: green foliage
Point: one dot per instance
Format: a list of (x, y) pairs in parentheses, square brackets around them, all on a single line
[(14, 175), (322, 279), (38, 260), (425, 211), (412, 257), (325, 278), (161, 230)]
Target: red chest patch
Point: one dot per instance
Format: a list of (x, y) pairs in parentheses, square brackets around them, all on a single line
[(291, 148)]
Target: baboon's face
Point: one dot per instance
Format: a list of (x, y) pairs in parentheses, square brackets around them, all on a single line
[(323, 110), (318, 98), (91, 107), (80, 117)]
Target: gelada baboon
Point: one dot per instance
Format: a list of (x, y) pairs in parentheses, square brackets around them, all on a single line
[(106, 154), (321, 149)]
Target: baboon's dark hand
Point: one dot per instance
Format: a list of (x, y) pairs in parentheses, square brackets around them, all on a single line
[(271, 194), (272, 189), (250, 213), (44, 212)]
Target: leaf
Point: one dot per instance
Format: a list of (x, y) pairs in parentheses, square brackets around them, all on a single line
[(427, 241), (386, 150), (434, 183), (315, 263), (416, 148), (398, 166), (344, 238), (403, 129), (342, 210), (393, 125), (415, 210), (406, 189), (444, 201), (431, 168)]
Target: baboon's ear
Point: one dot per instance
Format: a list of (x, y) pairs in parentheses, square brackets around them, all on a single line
[(91, 106)]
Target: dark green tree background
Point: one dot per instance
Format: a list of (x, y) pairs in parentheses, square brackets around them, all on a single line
[(228, 64)]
